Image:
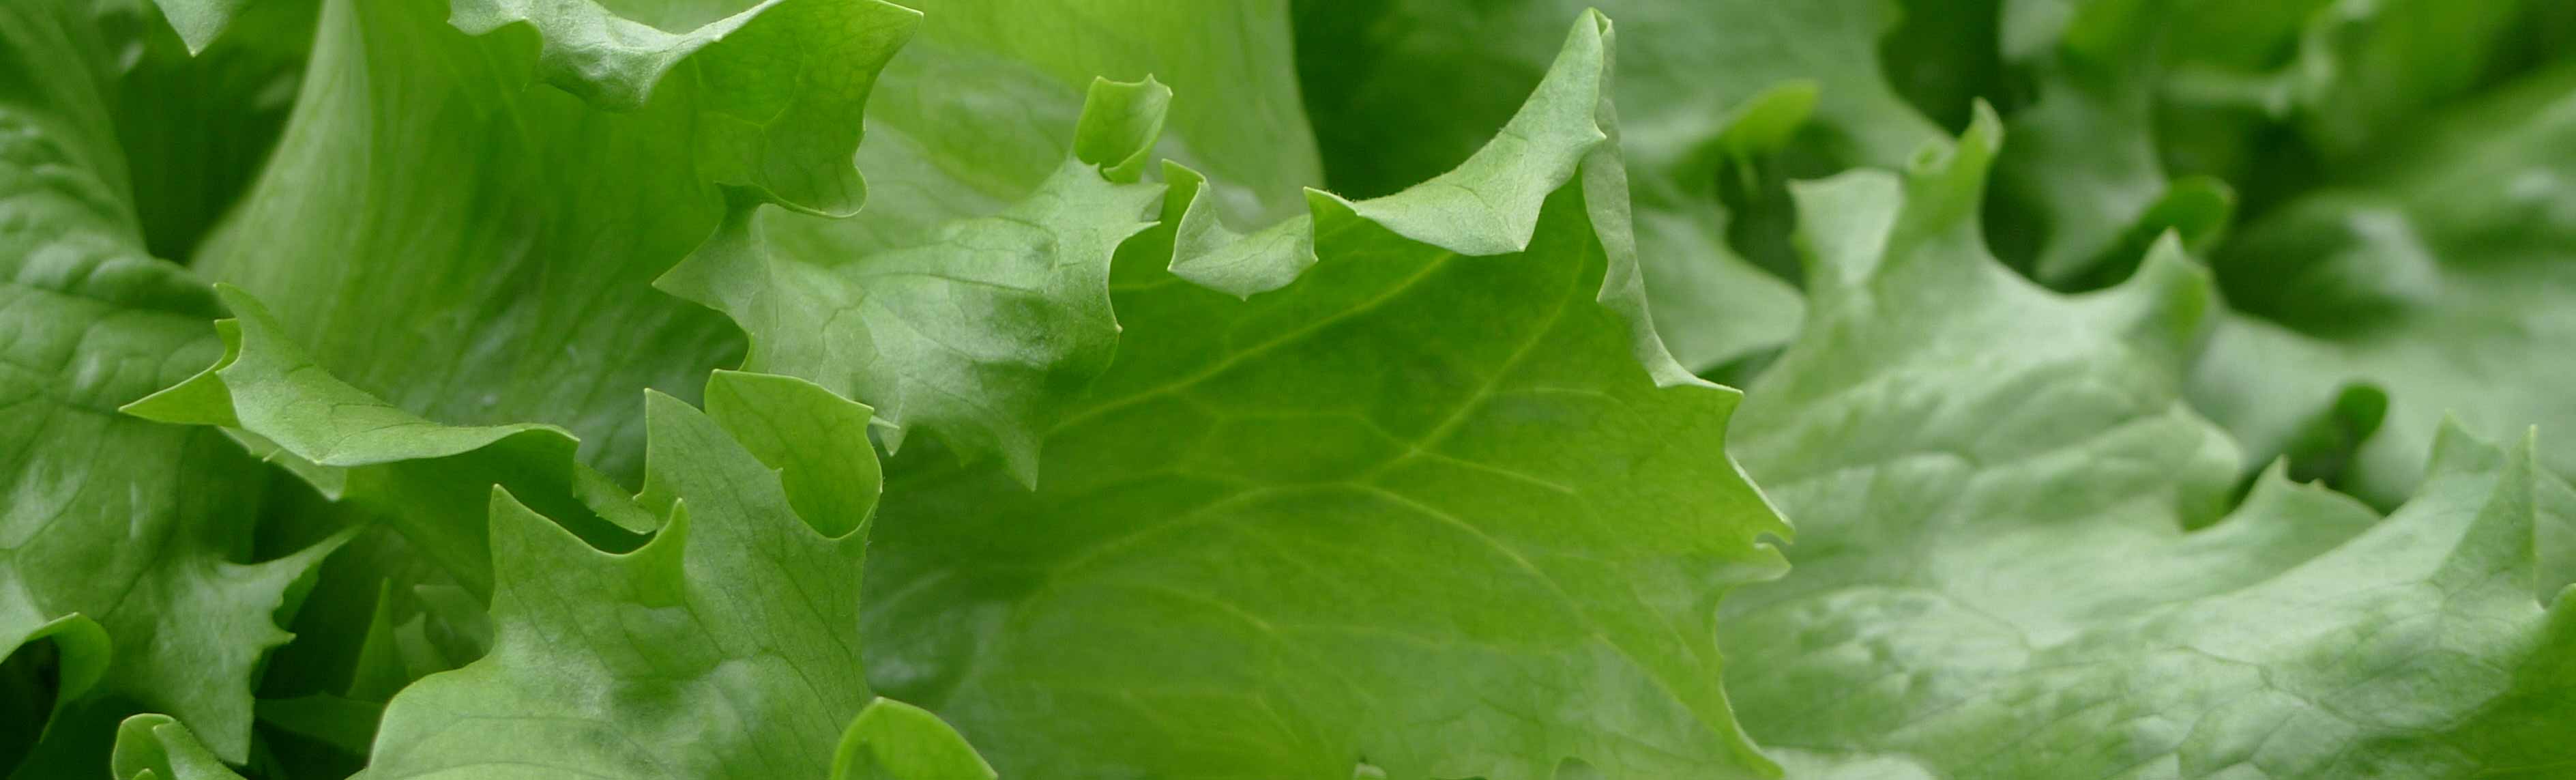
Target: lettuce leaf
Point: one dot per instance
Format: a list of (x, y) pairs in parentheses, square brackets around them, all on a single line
[(157, 747), (725, 645), (1710, 95), (1385, 520), (2145, 115), (125, 544), (1284, 388), (2436, 283), (507, 276), (607, 662), (2013, 560), (988, 328)]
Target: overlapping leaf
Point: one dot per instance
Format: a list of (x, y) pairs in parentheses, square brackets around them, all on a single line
[(2011, 559), (123, 543), (972, 302), (2438, 282), (986, 329), (157, 747), (726, 645), (1438, 507), (2152, 114), (496, 267), (1401, 90)]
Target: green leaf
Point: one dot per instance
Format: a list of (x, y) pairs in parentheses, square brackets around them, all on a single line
[(2146, 111), (197, 126), (891, 740), (1401, 90), (2367, 68), (2439, 278), (156, 747), (977, 111), (199, 22), (982, 333), (726, 645), (2013, 560), (1440, 506), (781, 83), (972, 303), (504, 275), (123, 541), (428, 479), (2084, 172)]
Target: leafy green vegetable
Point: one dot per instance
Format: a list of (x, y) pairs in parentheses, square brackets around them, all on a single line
[(1401, 90), (1479, 558), (891, 740), (986, 330), (155, 747), (2439, 279), (542, 219), (724, 646), (123, 543), (1309, 389), (2011, 564)]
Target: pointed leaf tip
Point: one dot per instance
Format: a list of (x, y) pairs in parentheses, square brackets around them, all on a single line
[(2457, 449), (892, 740), (151, 745), (1207, 253), (2169, 299), (1489, 205), (1119, 124)]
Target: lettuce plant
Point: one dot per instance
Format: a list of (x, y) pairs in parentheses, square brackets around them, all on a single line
[(962, 389)]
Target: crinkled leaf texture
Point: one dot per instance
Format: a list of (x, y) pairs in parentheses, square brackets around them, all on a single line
[(2012, 562), (122, 541), (971, 301), (1438, 506), (2083, 183), (1400, 89), (725, 646), (2147, 115), (2441, 281), (984, 331), (500, 269), (429, 478), (977, 111)]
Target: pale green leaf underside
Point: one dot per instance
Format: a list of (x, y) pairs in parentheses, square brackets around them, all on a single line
[(2444, 277), (2011, 562)]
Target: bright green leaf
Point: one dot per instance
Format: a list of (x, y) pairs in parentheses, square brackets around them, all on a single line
[(123, 542), (891, 740), (1440, 506), (505, 275), (155, 747), (1401, 90), (726, 646)]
